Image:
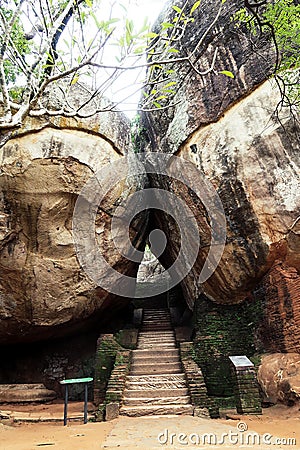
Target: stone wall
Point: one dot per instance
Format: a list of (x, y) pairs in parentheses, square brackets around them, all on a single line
[(279, 293), (222, 331)]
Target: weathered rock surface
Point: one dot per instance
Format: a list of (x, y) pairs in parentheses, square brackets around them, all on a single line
[(254, 166), (279, 293), (200, 100), (225, 127), (43, 290), (279, 377)]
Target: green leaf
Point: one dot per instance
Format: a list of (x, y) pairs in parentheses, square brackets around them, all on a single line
[(177, 9), (97, 23), (109, 22), (67, 43), (227, 73), (161, 97), (89, 3), (139, 50), (195, 6), (129, 25), (151, 35), (158, 105), (75, 79), (173, 50), (166, 25), (171, 83), (169, 91)]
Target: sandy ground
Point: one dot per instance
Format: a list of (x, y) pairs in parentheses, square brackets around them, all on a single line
[(143, 433)]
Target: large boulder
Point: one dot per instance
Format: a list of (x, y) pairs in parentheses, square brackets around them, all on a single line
[(44, 292), (279, 378), (227, 129), (203, 99)]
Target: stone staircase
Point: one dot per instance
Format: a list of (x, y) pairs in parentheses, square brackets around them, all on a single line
[(156, 384)]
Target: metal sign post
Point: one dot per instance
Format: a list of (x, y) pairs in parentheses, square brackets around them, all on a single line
[(74, 381)]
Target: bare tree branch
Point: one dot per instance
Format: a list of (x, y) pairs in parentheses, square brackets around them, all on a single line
[(3, 84)]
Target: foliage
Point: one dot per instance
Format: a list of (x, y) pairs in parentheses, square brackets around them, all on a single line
[(63, 43), (281, 20), (17, 40)]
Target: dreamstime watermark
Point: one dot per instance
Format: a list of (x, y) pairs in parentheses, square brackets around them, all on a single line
[(239, 437), (130, 172)]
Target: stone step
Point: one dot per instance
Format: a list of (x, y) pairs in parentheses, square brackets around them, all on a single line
[(157, 385), (155, 359), (140, 401), (156, 346), (21, 393), (157, 317), (154, 319), (157, 365), (164, 315), (150, 410), (156, 381), (143, 353), (156, 328), (155, 392), (155, 341), (156, 313), (156, 322), (160, 377), (154, 370), (20, 417), (157, 334)]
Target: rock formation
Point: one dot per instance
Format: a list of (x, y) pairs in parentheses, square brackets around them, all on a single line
[(225, 127), (278, 376), (43, 290)]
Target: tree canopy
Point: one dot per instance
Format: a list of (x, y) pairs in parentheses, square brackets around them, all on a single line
[(45, 42), (279, 19)]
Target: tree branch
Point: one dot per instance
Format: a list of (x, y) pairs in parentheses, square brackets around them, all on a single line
[(3, 83)]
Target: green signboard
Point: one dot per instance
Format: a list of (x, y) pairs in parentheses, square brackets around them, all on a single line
[(76, 380)]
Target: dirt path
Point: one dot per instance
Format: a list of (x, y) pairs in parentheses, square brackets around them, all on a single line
[(159, 433)]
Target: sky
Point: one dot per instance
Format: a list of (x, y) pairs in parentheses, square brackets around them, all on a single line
[(127, 86), (126, 90), (137, 10)]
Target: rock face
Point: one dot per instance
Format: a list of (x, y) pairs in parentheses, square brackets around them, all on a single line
[(225, 127), (203, 99), (279, 378), (279, 293), (43, 290)]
